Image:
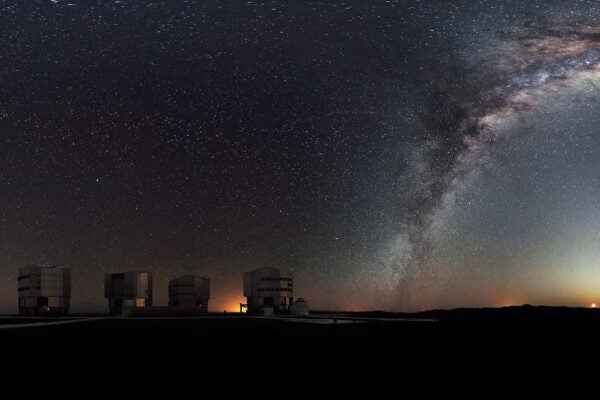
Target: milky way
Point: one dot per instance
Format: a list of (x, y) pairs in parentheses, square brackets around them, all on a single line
[(535, 61), (391, 154)]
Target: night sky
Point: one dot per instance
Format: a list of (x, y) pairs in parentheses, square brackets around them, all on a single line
[(393, 155)]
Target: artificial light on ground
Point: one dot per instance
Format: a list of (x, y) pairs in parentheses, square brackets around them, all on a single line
[(234, 305)]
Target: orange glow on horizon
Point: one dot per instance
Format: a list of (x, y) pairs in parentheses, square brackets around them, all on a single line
[(508, 303), (231, 304), (593, 305)]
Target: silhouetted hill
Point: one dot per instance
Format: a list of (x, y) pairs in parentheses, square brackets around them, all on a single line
[(513, 314)]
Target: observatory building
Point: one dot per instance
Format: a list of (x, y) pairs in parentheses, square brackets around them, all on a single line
[(189, 291), (44, 290), (128, 289), (268, 290), (299, 308)]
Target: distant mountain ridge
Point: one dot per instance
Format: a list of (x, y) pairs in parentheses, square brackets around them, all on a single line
[(521, 314)]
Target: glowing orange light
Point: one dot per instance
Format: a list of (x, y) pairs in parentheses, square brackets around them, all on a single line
[(593, 305), (230, 305)]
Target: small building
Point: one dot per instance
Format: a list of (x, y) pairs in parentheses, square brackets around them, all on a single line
[(44, 290), (189, 291), (127, 289), (268, 290), (299, 308)]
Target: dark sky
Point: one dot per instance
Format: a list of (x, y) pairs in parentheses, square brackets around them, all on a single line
[(393, 155)]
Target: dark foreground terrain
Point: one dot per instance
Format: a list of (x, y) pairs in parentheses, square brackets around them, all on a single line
[(470, 340)]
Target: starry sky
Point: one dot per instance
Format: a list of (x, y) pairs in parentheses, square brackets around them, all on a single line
[(393, 155)]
